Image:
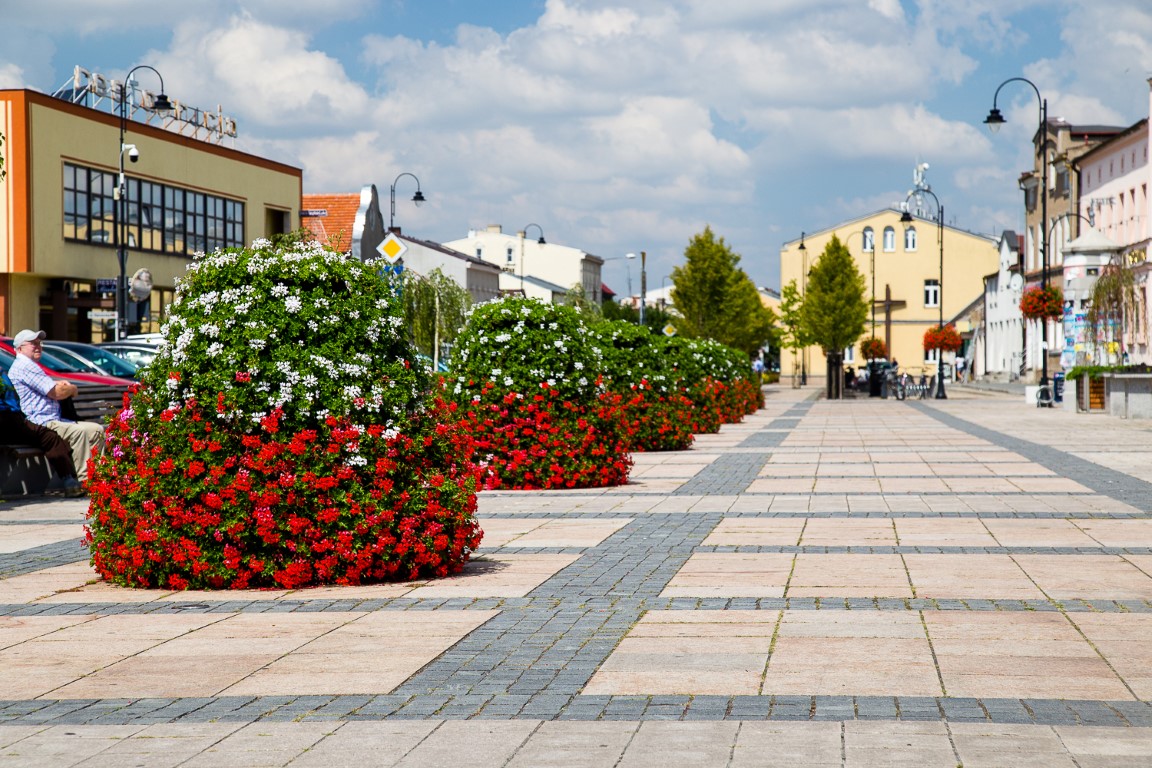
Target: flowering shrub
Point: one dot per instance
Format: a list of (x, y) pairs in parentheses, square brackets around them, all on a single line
[(657, 417), (873, 348), (282, 437), (716, 378), (1040, 302), (943, 337), (528, 379)]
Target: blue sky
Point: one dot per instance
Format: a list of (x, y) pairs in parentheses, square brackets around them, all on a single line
[(624, 125)]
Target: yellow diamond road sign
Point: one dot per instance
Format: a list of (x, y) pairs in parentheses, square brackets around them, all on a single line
[(669, 330), (392, 249)]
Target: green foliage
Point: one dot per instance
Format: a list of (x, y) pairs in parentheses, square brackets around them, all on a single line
[(1090, 371), (578, 299), (517, 344), (631, 354), (435, 308), (834, 310), (715, 299)]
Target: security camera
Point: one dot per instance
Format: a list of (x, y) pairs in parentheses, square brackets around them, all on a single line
[(133, 153)]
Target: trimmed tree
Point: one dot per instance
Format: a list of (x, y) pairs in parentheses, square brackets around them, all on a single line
[(834, 311)]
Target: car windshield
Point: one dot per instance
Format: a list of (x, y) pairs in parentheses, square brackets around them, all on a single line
[(61, 364), (108, 362)]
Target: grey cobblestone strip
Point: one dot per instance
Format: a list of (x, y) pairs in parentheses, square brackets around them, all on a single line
[(546, 605), (574, 707), (551, 654), (39, 558), (730, 473), (1101, 479), (772, 435)]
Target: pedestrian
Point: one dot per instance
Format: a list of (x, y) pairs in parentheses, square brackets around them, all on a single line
[(17, 430), (961, 366), (40, 398), (758, 369)]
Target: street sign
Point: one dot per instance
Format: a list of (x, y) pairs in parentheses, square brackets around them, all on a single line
[(392, 248), (669, 330), (105, 285)]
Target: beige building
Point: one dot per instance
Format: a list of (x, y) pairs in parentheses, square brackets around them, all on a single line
[(902, 274), (59, 208)]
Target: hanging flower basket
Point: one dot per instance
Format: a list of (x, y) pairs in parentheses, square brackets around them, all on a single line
[(873, 348), (943, 337), (1038, 302)]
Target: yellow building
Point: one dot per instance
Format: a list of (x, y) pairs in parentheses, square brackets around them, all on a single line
[(902, 274), (59, 209)]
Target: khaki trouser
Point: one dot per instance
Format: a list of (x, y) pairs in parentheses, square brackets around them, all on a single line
[(84, 437)]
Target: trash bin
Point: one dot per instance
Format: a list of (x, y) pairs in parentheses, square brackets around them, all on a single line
[(1058, 387)]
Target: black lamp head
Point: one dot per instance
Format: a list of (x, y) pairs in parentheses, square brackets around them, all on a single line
[(418, 198), (161, 104), (906, 217), (994, 120)]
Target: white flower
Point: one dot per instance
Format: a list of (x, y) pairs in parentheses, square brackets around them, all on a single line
[(293, 304)]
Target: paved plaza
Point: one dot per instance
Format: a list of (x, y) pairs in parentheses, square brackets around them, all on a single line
[(965, 582)]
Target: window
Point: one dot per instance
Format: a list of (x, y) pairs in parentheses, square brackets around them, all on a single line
[(849, 354), (869, 239), (931, 293), (931, 356), (158, 217), (910, 239), (889, 239), (479, 252), (509, 254)]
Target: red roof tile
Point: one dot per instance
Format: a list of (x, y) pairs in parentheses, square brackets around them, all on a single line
[(335, 227)]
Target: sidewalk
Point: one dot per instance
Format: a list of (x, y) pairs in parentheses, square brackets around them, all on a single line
[(858, 583)]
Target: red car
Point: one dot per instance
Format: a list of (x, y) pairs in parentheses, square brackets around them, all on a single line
[(98, 395)]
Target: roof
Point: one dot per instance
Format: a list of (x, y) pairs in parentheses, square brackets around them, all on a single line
[(1103, 147), (607, 292), (864, 218), (446, 250), (330, 218)]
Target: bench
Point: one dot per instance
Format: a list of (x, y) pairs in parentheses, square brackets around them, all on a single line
[(23, 469)]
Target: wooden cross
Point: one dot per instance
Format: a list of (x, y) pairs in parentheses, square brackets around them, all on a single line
[(888, 304)]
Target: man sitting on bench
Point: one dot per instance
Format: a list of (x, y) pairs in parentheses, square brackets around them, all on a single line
[(40, 398), (19, 431)]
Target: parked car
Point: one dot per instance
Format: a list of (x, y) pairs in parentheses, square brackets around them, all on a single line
[(97, 396), (137, 353), (102, 360)]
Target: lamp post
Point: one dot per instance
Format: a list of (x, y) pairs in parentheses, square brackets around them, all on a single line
[(906, 218), (161, 105), (643, 281), (803, 296), (416, 198), (524, 233), (994, 120)]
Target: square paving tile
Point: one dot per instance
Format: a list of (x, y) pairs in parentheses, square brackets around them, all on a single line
[(1118, 533), (756, 531), (1018, 655), (679, 652), (731, 574), (864, 653), (1125, 640), (31, 587), (849, 575), (1038, 533), (994, 577), (839, 532), (942, 532), (1090, 577)]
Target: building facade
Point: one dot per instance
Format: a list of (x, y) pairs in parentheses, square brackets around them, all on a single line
[(901, 268), (60, 212), (999, 342), (521, 257)]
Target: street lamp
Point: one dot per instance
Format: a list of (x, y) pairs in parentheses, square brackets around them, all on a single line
[(524, 233), (803, 295), (161, 105), (994, 120), (416, 198), (643, 281), (906, 218)]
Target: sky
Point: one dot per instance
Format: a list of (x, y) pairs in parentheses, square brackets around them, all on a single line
[(623, 125)]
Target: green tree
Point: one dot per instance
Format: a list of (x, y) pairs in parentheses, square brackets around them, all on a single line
[(716, 299), (834, 310), (578, 299), (792, 333), (1115, 311), (435, 308)]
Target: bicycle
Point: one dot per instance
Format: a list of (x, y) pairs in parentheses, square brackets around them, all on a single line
[(1044, 396)]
